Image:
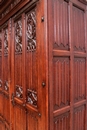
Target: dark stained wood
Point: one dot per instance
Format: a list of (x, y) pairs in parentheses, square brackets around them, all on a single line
[(43, 65)]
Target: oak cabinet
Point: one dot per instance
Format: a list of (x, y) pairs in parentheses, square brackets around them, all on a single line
[(43, 65)]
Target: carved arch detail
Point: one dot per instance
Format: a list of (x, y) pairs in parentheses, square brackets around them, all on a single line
[(31, 31)]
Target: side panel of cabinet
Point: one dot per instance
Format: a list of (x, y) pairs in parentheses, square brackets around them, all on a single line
[(67, 65)]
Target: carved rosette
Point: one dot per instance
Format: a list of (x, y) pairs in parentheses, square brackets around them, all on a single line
[(6, 41), (18, 36), (0, 83), (19, 91), (0, 44), (6, 87), (32, 97), (31, 31)]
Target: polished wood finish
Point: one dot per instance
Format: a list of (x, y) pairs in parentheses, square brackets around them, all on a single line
[(43, 65)]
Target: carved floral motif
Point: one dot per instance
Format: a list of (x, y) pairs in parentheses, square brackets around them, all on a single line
[(19, 91), (6, 41), (18, 36), (32, 97), (31, 31)]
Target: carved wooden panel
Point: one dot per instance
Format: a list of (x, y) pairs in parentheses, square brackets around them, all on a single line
[(18, 58), (5, 84), (18, 76), (32, 97), (6, 106), (2, 125), (19, 91), (61, 25), (31, 31), (78, 29), (32, 121), (61, 82), (6, 41), (1, 104), (18, 36), (62, 122), (31, 58), (19, 118), (79, 79), (79, 118)]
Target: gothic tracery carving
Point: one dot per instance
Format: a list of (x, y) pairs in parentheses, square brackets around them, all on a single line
[(18, 36), (32, 97), (19, 91), (6, 41), (31, 31)]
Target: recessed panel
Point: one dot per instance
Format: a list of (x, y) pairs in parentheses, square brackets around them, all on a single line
[(18, 58), (1, 104), (31, 58), (61, 25), (61, 82), (32, 121), (79, 79), (19, 118), (78, 29), (6, 109), (79, 118), (62, 122)]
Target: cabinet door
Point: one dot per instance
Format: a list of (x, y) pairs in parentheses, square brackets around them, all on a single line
[(4, 78), (27, 111)]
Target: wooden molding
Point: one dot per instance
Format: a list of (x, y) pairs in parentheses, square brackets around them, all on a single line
[(83, 1)]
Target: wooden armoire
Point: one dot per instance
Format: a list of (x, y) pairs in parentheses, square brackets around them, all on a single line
[(43, 64)]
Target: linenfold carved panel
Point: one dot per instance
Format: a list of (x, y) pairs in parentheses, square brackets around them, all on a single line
[(19, 91), (32, 97), (61, 81), (0, 43), (79, 79), (61, 25), (31, 30), (79, 116), (6, 41), (32, 120), (62, 121), (78, 29), (18, 36)]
